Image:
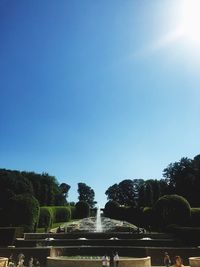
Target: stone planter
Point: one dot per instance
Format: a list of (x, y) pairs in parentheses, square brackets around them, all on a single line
[(3, 262), (70, 262), (194, 261)]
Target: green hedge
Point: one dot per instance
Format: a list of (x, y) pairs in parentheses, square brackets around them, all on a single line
[(24, 212), (62, 214), (53, 214), (46, 217)]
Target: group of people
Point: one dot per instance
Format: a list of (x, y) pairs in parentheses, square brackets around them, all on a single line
[(112, 261), (177, 261), (33, 262)]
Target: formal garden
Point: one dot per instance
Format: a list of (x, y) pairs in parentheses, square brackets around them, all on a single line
[(141, 219)]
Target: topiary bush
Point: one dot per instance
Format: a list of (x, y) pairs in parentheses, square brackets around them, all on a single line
[(46, 217), (82, 210), (24, 211), (172, 209), (62, 214)]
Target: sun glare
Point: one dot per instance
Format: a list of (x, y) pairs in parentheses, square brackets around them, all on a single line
[(190, 20)]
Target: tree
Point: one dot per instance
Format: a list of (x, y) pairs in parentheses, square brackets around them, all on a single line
[(86, 193), (43, 187), (111, 209), (113, 193), (184, 179), (127, 193), (124, 193), (64, 188)]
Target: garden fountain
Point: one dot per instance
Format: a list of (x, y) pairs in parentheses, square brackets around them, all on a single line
[(98, 221), (88, 251)]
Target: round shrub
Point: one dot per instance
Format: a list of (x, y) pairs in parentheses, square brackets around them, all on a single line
[(111, 209), (82, 210), (46, 217), (172, 209), (24, 211), (62, 214)]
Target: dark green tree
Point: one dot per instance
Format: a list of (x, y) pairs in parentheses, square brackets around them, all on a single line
[(113, 193), (86, 193)]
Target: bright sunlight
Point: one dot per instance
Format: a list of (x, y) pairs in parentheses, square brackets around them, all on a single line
[(190, 20)]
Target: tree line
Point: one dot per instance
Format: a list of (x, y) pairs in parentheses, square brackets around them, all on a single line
[(181, 177), (44, 187)]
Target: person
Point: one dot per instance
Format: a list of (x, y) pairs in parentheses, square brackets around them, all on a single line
[(167, 261), (105, 260), (21, 259), (178, 262), (36, 262), (116, 259), (58, 230), (11, 261), (30, 263), (112, 260)]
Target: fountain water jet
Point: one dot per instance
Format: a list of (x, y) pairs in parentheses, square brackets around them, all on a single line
[(98, 221)]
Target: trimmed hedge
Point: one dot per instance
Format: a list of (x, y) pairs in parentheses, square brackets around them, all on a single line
[(62, 214), (172, 209), (46, 217), (24, 211), (53, 214)]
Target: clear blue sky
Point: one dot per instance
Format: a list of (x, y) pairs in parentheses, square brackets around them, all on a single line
[(94, 91)]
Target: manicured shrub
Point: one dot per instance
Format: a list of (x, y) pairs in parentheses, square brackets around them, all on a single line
[(111, 210), (172, 209), (62, 214), (24, 211), (46, 217), (82, 210), (195, 217)]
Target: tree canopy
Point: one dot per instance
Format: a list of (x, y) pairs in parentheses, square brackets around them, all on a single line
[(86, 194)]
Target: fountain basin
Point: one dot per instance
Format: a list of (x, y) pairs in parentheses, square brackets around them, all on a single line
[(194, 261), (3, 262), (92, 262)]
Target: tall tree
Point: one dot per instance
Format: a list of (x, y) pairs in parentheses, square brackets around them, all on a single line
[(86, 193), (113, 193), (127, 193), (64, 188)]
